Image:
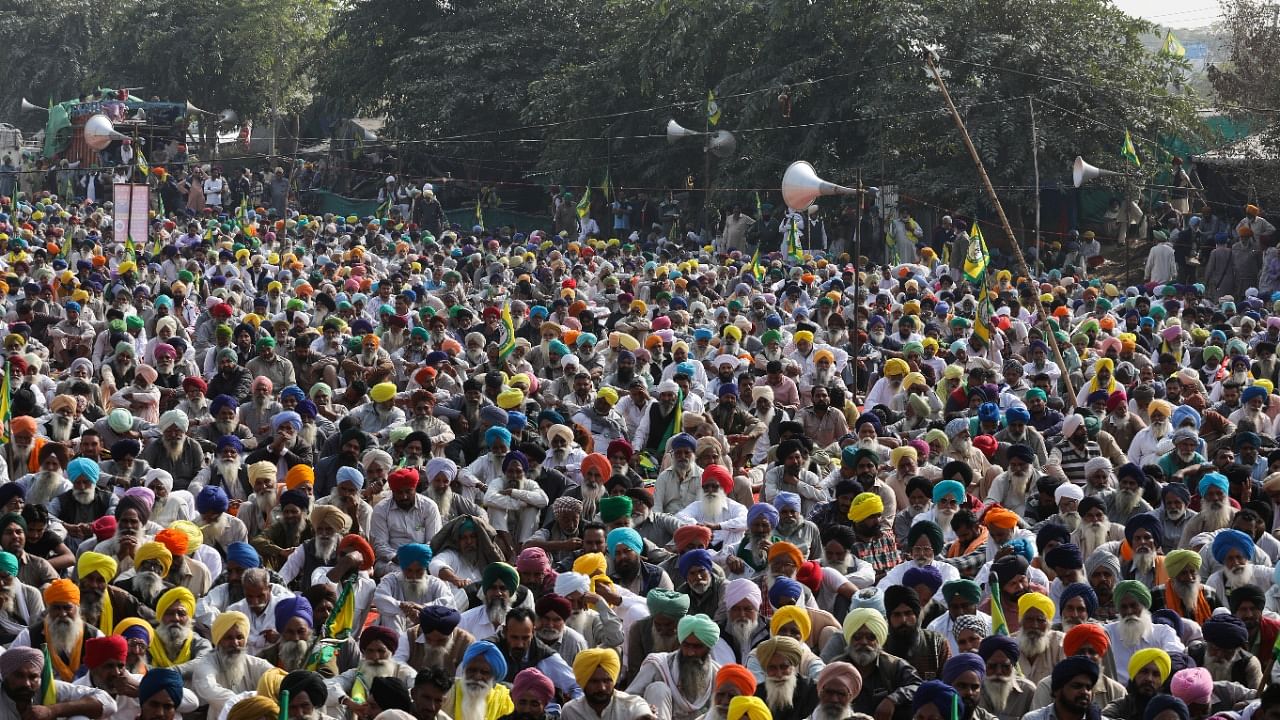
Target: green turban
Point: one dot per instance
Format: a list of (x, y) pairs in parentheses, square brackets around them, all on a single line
[(771, 336), (222, 331), (699, 626), (1134, 589), (133, 322), (186, 277), (8, 564), (964, 588), (116, 325), (1036, 393), (500, 571), (1181, 559), (266, 341), (614, 507), (667, 603)]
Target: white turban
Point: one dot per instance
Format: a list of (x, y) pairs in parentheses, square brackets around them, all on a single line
[(572, 582), (438, 465), (1068, 490), (667, 386), (376, 457), (735, 591), (1070, 424), (174, 418), (157, 475), (1093, 465)]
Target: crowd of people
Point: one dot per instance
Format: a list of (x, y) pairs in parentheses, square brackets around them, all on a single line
[(311, 467)]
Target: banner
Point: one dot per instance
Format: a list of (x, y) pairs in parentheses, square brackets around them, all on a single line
[(132, 203)]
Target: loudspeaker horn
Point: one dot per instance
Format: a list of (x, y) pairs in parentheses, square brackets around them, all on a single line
[(192, 110), (29, 106), (99, 132), (723, 144), (228, 117), (801, 186), (675, 131), (1082, 172)]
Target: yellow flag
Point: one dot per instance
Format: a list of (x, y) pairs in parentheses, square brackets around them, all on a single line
[(1172, 47)]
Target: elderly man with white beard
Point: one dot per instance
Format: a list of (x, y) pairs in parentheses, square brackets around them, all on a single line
[(327, 526), (1144, 448), (1100, 480), (923, 549), (1234, 550), (175, 643), (1041, 647), (402, 594), (436, 640), (678, 684), (220, 529), (726, 518), (791, 475), (378, 647), (63, 630), (50, 481), (1225, 654), (788, 694), (499, 587), (229, 588), (1174, 513), (258, 510), (678, 485), (226, 471), (591, 617), (1126, 501), (441, 474), (1184, 594), (103, 605), (1135, 630), (1215, 508), (231, 668), (258, 606), (83, 503), (551, 615), (223, 409), (170, 505), (1066, 498), (479, 694), (256, 414), (346, 497), (1011, 487), (63, 423), (177, 454), (1095, 529)]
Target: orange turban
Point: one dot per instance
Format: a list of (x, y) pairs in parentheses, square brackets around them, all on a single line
[(62, 590), (23, 423), (689, 534), (1001, 518), (359, 544), (737, 676), (1090, 634), (786, 548), (175, 541), (299, 474), (600, 463)]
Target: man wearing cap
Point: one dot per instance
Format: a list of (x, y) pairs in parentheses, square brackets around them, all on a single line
[(679, 684), (1134, 629)]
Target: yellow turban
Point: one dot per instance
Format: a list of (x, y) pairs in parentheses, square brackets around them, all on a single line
[(1163, 406), (896, 455), (93, 562), (824, 353), (587, 661), (591, 564), (226, 621), (269, 683), (382, 392), (913, 379), (510, 399), (1037, 601), (154, 551), (254, 707), (1146, 656), (871, 619), (749, 707), (895, 367), (176, 595), (864, 506), (803, 336), (195, 537), (791, 614)]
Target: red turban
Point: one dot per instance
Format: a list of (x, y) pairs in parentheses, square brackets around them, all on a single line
[(721, 475), (809, 574), (1090, 634), (987, 444), (737, 676), (102, 649), (104, 528), (358, 544), (689, 534), (403, 478), (379, 633)]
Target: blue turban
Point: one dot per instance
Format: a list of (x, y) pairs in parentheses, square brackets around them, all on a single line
[(351, 475), (1232, 539), (765, 510), (948, 487), (694, 558), (937, 694), (1176, 488), (222, 401), (992, 644), (1082, 591), (1051, 532), (1183, 413), (516, 457), (1144, 521), (230, 441), (557, 347), (929, 576), (1017, 415), (413, 553), (785, 500), (1132, 470), (212, 499), (516, 421), (296, 498), (244, 555), (1161, 702), (288, 416), (83, 467), (292, 607), (683, 440), (784, 587), (1212, 479), (73, 306), (727, 389), (438, 618), (1025, 547), (1247, 438), (497, 432), (988, 412), (962, 663), (550, 416), (1070, 667), (1253, 392), (490, 653), (624, 536), (687, 369), (293, 391), (160, 680), (702, 334)]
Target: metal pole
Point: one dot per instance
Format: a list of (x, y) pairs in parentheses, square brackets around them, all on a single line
[(1004, 220), (706, 180), (857, 238), (1035, 167)]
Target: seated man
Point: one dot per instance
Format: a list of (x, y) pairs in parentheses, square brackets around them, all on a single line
[(229, 669)]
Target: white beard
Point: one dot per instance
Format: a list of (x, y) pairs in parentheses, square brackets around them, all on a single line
[(943, 518), (741, 631), (307, 435), (682, 467), (581, 620), (497, 610), (1071, 520), (1220, 670), (45, 488), (293, 653), (780, 693), (229, 470), (1134, 629), (550, 636), (1161, 429), (59, 428), (443, 499), (713, 504), (232, 668), (863, 656), (1032, 646), (998, 691), (326, 547), (173, 636), (382, 668), (174, 448), (415, 591), (1214, 515), (149, 586), (694, 677), (1188, 593), (832, 712), (1238, 576), (1175, 516), (226, 428), (1144, 562), (436, 656), (960, 448), (265, 502), (64, 634), (662, 643), (84, 497), (475, 695), (1093, 535), (591, 494), (1127, 500)]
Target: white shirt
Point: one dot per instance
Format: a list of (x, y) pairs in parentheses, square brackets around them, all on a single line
[(213, 189), (258, 623), (392, 527), (1160, 636), (732, 519)]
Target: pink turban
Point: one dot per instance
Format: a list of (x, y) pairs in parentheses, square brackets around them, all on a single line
[(1193, 685), (532, 682)]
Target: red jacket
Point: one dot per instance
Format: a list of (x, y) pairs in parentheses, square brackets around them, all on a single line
[(1269, 629)]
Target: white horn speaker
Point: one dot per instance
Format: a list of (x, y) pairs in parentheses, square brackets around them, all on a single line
[(99, 133), (192, 110), (675, 131), (801, 186), (29, 106), (1082, 172), (723, 144)]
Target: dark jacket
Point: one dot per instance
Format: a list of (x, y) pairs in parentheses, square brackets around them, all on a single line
[(890, 679)]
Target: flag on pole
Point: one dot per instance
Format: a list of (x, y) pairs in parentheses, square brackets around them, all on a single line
[(1172, 47), (793, 241), (977, 259), (713, 109), (584, 205), (508, 344), (359, 691), (130, 251), (479, 213), (284, 705), (342, 619), (999, 626), (756, 270), (1128, 151), (142, 163), (48, 691)]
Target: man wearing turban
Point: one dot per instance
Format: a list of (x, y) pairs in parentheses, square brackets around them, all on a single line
[(101, 603), (1184, 593), (174, 643), (1041, 646), (478, 693), (378, 646), (63, 629), (1149, 670), (679, 485), (230, 669), (925, 649), (1088, 640), (596, 672), (500, 591), (726, 517), (309, 542), (1226, 654), (402, 594), (20, 670), (1005, 693), (463, 547), (788, 692), (179, 455), (1134, 630), (888, 682), (1235, 551), (924, 546), (679, 684)]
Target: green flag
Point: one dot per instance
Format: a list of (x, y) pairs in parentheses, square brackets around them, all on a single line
[(1128, 151)]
